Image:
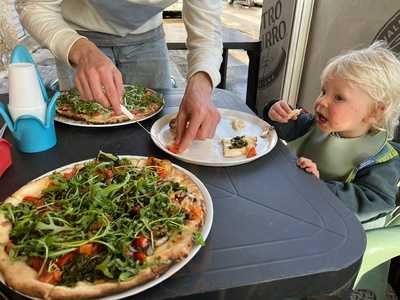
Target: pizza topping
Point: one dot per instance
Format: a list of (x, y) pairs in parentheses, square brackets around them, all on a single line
[(251, 152), (69, 175), (238, 142), (37, 201), (141, 242), (195, 212), (138, 98), (198, 238), (139, 256), (89, 249), (71, 99), (173, 148), (65, 259), (135, 210), (110, 211), (53, 277), (36, 262)]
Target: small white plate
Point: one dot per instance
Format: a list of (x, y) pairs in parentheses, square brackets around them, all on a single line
[(209, 152), (174, 268)]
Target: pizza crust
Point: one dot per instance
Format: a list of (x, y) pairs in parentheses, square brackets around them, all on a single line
[(21, 277)]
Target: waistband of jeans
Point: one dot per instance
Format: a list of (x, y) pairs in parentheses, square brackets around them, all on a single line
[(110, 40)]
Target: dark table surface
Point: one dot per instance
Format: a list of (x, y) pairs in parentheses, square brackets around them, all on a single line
[(277, 231)]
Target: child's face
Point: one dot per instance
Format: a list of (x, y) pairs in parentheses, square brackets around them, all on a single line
[(343, 108)]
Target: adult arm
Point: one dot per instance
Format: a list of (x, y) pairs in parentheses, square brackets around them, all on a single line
[(198, 117), (44, 21), (96, 76)]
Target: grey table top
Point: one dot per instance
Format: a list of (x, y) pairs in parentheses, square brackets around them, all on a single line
[(277, 231)]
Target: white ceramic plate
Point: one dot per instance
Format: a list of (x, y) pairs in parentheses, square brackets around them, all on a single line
[(210, 152), (80, 123), (176, 267)]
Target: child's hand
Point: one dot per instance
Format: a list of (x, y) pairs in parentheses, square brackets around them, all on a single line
[(281, 112), (308, 165)]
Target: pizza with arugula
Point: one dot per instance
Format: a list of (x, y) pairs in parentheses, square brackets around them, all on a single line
[(99, 227), (140, 101)]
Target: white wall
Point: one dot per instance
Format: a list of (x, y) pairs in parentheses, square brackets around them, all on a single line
[(341, 25)]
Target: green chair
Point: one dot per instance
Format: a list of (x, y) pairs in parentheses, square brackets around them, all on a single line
[(383, 244)]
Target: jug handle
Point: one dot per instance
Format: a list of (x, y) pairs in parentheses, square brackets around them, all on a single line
[(21, 54), (6, 117), (51, 109)]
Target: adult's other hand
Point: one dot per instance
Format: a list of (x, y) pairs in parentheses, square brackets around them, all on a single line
[(96, 76), (198, 117)]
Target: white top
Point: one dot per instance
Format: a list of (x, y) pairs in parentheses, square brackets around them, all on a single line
[(54, 24)]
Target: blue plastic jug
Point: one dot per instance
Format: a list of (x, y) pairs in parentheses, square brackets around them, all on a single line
[(30, 133)]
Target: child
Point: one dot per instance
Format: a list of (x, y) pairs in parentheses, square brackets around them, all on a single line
[(345, 142)]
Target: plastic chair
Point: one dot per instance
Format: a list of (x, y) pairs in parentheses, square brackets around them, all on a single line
[(383, 244)]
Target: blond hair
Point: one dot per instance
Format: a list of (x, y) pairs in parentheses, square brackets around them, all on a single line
[(376, 70)]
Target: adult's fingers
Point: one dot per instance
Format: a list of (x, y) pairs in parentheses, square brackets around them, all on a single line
[(208, 126), (117, 77), (190, 133), (205, 130), (111, 91), (181, 121), (97, 89), (84, 88)]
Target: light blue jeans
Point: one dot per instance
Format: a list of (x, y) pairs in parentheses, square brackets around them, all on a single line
[(141, 59)]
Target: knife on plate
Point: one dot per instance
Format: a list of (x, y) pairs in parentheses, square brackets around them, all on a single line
[(127, 113)]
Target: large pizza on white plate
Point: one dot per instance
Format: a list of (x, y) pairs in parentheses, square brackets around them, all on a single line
[(140, 101), (99, 227)]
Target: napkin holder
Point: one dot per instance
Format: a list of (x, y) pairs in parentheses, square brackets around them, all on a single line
[(31, 134)]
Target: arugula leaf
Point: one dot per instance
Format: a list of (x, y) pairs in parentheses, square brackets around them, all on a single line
[(198, 238)]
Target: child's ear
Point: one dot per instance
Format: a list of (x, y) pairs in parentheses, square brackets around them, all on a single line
[(376, 114)]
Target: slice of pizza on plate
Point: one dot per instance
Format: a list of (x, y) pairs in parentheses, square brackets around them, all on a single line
[(239, 146)]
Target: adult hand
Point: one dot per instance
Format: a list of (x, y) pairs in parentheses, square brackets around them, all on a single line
[(280, 112), (197, 117), (308, 165), (96, 76)]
